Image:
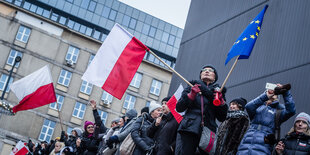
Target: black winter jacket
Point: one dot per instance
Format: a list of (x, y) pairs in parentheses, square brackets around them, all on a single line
[(139, 134), (164, 135), (192, 119), (297, 144)]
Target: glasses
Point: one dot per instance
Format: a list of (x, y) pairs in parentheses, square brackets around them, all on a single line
[(90, 127), (207, 69)]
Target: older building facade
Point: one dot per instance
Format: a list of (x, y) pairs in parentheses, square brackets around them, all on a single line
[(48, 33)]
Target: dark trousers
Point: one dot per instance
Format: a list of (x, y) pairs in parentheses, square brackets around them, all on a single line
[(187, 144)]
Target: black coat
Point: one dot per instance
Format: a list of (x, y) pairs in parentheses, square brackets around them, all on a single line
[(231, 132), (297, 144), (164, 135), (89, 145), (139, 134), (192, 119)]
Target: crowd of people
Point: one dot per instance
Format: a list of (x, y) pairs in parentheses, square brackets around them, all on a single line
[(247, 128)]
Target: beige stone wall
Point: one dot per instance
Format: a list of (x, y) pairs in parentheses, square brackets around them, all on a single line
[(43, 49)]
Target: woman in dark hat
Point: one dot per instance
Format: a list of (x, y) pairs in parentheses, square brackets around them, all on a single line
[(190, 128), (231, 131)]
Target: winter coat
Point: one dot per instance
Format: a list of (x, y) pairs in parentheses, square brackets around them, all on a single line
[(139, 134), (164, 135), (124, 132), (192, 119), (263, 123), (89, 145), (297, 144), (230, 132)]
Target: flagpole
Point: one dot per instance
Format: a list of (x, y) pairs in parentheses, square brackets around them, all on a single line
[(231, 69), (170, 68), (62, 129)]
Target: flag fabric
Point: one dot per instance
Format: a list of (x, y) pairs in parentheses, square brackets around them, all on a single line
[(245, 43), (34, 90), (19, 149), (116, 62), (173, 102)]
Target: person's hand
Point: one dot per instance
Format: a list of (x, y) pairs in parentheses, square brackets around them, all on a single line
[(78, 142), (93, 104), (280, 147), (158, 120), (270, 93), (195, 89)]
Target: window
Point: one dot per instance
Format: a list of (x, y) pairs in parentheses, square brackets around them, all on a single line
[(103, 115), (171, 40), (146, 29), (129, 102), (72, 54), (147, 103), (86, 87), (64, 77), (85, 4), (135, 82), (152, 31), (133, 23), (79, 110), (106, 97), (47, 130), (91, 58), (12, 56), (92, 6), (60, 101), (126, 20), (106, 11), (96, 34), (3, 81), (155, 88), (165, 37), (23, 34), (54, 17), (112, 15)]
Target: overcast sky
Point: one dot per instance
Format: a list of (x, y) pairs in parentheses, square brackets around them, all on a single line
[(171, 11)]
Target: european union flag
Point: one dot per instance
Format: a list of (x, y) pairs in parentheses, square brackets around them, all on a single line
[(245, 43)]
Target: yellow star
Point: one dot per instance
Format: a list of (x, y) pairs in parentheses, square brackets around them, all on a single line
[(252, 36), (244, 39), (252, 22), (258, 28), (236, 42), (257, 21), (256, 34)]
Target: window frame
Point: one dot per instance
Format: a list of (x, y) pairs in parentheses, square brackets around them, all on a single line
[(71, 53), (80, 109), (64, 77), (136, 80), (10, 57), (23, 34), (86, 86), (108, 98), (4, 82), (50, 125), (59, 100), (154, 85), (128, 104)]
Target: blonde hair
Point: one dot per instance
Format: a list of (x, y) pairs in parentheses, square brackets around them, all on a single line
[(62, 145), (293, 130)]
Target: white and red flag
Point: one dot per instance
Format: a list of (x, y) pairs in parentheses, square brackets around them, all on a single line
[(34, 90), (116, 62), (173, 102), (19, 149)]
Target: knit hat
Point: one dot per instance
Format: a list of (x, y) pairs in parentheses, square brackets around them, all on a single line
[(166, 99), (87, 123), (241, 102), (210, 66), (132, 113), (153, 106), (145, 109), (304, 117), (78, 131)]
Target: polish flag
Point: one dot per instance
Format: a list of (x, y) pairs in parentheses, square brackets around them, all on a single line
[(34, 90), (19, 149), (116, 62), (173, 102)]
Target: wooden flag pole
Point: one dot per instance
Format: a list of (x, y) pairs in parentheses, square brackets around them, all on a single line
[(170, 68), (231, 69), (62, 129)]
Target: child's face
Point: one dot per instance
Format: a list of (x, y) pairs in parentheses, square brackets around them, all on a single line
[(233, 106)]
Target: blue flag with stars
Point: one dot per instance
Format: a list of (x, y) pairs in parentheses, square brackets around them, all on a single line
[(245, 43)]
